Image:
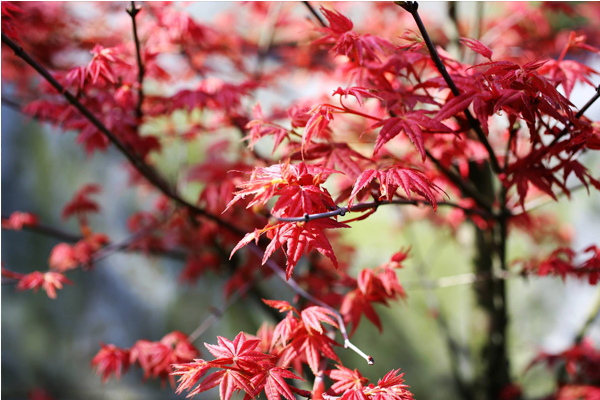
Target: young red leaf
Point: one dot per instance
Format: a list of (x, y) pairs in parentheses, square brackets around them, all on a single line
[(300, 238), (346, 379), (111, 360), (49, 281), (313, 316), (477, 47), (273, 383)]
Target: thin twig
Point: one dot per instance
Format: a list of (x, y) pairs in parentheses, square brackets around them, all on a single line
[(141, 69), (412, 7), (296, 288), (583, 109), (218, 312), (455, 350), (341, 211), (543, 200), (73, 238), (593, 315), (315, 13), (466, 187), (144, 169)]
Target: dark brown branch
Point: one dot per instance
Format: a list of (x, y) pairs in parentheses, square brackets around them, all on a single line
[(315, 13), (296, 288), (341, 211), (466, 187), (139, 164), (412, 7), (580, 113), (48, 230), (141, 69), (136, 161), (453, 177)]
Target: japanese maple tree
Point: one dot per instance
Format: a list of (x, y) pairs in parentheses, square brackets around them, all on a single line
[(475, 128)]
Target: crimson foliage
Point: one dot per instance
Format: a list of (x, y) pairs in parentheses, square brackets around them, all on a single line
[(474, 129)]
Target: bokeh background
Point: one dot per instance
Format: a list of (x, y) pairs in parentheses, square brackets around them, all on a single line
[(126, 297)]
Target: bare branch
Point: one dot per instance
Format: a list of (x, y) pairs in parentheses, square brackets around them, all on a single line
[(141, 70)]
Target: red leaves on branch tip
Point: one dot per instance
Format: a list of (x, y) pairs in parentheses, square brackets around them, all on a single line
[(260, 127), (157, 358), (313, 316), (581, 361), (337, 22), (18, 220), (267, 182), (477, 47), (300, 238), (240, 352), (357, 92), (561, 262), (372, 286), (317, 124), (190, 374), (280, 305), (273, 383), (346, 379), (412, 124), (49, 281), (111, 360), (357, 47), (65, 257), (81, 203), (391, 179), (390, 387), (241, 368)]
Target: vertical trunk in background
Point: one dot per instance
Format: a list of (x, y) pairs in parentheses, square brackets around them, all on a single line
[(491, 294)]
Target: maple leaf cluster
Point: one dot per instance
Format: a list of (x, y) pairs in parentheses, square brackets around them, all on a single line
[(581, 361), (562, 262), (155, 358)]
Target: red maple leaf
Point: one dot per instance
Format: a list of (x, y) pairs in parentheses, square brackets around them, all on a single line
[(309, 345), (300, 238), (111, 360), (391, 179), (190, 374), (49, 281), (272, 381), (313, 316), (346, 379), (477, 47), (18, 220), (81, 203), (239, 352), (412, 124)]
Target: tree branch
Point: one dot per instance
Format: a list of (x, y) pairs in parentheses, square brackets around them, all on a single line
[(341, 211), (296, 288), (141, 70), (587, 105), (412, 8), (139, 164), (315, 13)]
